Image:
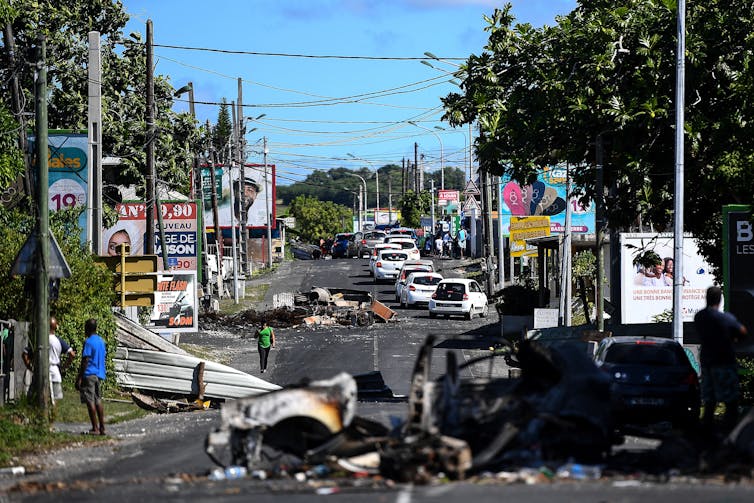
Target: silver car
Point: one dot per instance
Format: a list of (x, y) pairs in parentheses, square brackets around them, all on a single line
[(388, 265), (367, 242)]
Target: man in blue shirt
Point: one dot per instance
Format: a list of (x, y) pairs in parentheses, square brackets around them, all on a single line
[(717, 332), (91, 375)]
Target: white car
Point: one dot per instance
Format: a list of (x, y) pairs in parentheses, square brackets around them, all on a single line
[(419, 288), (458, 296), (388, 264), (375, 253), (410, 266), (407, 244)]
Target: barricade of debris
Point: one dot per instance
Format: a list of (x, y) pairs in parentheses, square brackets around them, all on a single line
[(552, 422), (322, 306)]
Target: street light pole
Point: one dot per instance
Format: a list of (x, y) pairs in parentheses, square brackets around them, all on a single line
[(442, 156), (377, 187), (363, 201)]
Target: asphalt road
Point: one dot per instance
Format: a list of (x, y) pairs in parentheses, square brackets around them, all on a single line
[(162, 457)]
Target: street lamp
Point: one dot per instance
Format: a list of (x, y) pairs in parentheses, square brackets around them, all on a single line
[(363, 201), (376, 182), (442, 156)]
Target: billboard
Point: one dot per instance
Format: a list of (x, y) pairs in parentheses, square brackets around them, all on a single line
[(647, 291), (68, 169), (175, 304), (256, 195), (445, 197), (180, 220), (738, 263), (546, 196)]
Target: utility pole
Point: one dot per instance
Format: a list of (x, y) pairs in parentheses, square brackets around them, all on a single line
[(268, 208), (680, 86), (94, 206), (432, 193), (500, 237), (151, 175), (417, 187), (197, 186), (389, 201), (15, 92), (42, 314), (600, 237), (216, 220), (240, 149), (488, 231), (403, 177)]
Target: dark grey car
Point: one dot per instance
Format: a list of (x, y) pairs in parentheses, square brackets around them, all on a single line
[(367, 242)]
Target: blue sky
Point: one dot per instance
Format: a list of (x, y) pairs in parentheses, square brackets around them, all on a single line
[(320, 113)]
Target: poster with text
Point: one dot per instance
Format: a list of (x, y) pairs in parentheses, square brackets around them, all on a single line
[(256, 187), (175, 304), (738, 263), (180, 220), (546, 196), (647, 290)]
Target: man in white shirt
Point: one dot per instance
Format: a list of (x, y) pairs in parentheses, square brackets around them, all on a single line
[(58, 349)]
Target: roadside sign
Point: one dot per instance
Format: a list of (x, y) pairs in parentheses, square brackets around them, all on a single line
[(471, 189), (289, 222), (447, 196), (471, 204)]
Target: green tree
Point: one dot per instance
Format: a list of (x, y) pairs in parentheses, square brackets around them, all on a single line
[(606, 74), (11, 159), (316, 219), (413, 206), (222, 132)]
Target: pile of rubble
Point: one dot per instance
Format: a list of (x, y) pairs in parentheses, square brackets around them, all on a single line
[(550, 422), (322, 306)]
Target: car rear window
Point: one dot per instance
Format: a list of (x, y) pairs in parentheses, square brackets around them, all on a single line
[(406, 245), (451, 291), (374, 235), (394, 256), (644, 354), (427, 280)]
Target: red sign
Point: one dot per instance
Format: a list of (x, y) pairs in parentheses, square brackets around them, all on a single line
[(448, 195)]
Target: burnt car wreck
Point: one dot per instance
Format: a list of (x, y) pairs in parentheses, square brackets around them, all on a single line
[(555, 412)]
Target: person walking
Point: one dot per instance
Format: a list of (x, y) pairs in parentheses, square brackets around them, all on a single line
[(91, 375), (717, 332), (462, 241), (266, 340)]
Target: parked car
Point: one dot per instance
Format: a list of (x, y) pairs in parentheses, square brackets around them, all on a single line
[(407, 244), (419, 288), (458, 296), (388, 264), (410, 266), (653, 381), (344, 245), (367, 242), (376, 252)]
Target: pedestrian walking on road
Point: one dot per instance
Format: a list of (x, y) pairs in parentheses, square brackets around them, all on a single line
[(266, 340), (91, 375), (462, 241), (718, 331)]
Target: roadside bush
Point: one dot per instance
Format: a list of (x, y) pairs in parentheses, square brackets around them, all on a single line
[(746, 376), (519, 300)]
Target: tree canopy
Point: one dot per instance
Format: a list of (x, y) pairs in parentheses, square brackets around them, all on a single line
[(605, 74), (319, 219)]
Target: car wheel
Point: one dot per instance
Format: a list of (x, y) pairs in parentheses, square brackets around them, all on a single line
[(485, 311), (470, 314)]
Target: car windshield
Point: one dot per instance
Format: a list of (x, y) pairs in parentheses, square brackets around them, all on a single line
[(643, 354), (427, 280)]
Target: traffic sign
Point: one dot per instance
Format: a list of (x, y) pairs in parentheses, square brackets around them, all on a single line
[(471, 204), (135, 276), (471, 189)]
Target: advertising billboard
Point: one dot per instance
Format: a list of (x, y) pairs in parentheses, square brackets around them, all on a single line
[(546, 196), (256, 195), (175, 304), (738, 263), (180, 220), (647, 290)]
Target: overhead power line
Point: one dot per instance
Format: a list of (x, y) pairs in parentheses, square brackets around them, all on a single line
[(311, 56)]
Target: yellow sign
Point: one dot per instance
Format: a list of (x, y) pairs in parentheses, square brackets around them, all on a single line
[(523, 228), (135, 276)]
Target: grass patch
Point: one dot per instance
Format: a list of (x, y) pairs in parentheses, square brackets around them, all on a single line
[(204, 353), (118, 408), (253, 294)]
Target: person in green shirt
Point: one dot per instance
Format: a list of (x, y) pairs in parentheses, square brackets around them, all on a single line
[(266, 338)]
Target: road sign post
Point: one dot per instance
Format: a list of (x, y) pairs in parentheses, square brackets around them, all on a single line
[(135, 276)]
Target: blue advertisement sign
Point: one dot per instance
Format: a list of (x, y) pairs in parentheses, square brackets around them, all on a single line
[(546, 196)]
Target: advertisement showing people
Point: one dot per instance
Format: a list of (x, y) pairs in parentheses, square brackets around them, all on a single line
[(180, 222), (546, 196), (648, 274), (255, 195), (175, 303)]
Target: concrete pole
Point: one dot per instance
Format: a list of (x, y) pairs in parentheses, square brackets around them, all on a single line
[(432, 193), (241, 155), (679, 175), (268, 208), (500, 237), (94, 204), (42, 314), (216, 221), (600, 235), (151, 175)]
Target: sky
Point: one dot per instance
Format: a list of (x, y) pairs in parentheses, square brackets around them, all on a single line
[(363, 105)]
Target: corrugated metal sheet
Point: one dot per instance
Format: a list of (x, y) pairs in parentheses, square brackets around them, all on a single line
[(174, 373)]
